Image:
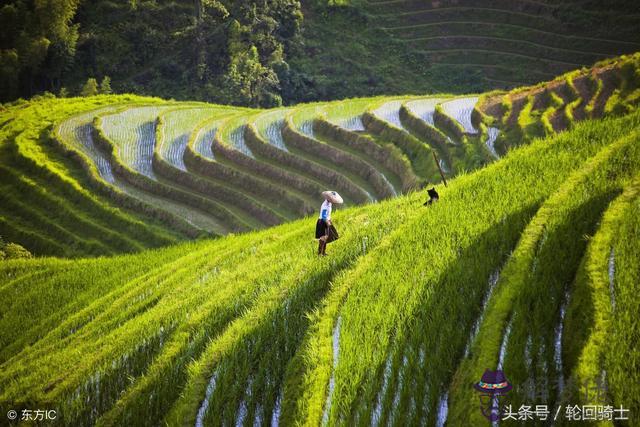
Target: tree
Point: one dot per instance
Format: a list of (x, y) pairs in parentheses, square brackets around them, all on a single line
[(105, 86), (9, 72), (16, 251), (90, 88), (38, 44), (248, 78), (12, 251), (214, 10), (182, 48)]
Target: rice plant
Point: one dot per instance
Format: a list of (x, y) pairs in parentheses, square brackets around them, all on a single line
[(424, 108), (78, 131), (460, 109), (232, 134), (528, 264), (390, 112), (269, 125), (133, 132), (177, 126)]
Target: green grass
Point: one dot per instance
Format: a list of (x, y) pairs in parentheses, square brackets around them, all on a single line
[(624, 325), (135, 159), (410, 306), (136, 339), (542, 294), (534, 280), (601, 284), (422, 278), (28, 154)]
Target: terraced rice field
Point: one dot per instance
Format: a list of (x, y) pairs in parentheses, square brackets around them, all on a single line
[(176, 129), (302, 119), (353, 123), (525, 113), (528, 263), (390, 112), (393, 327), (348, 114), (56, 209), (270, 127), (236, 138), (133, 132), (424, 108), (78, 131), (460, 109), (504, 43), (204, 138), (200, 168)]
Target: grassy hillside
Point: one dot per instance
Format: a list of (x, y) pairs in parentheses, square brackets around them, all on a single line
[(112, 174), (49, 203), (392, 328), (176, 279)]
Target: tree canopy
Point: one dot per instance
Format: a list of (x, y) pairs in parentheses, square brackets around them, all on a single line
[(217, 50)]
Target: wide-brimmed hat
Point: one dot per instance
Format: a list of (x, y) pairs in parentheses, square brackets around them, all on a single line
[(493, 382), (333, 197)]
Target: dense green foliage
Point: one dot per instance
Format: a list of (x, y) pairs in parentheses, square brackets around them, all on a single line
[(263, 53), (38, 42), (219, 50), (12, 251)]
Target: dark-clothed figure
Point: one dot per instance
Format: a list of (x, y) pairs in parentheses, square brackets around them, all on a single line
[(433, 196)]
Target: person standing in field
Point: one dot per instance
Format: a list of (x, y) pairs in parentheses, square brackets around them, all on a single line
[(323, 225)]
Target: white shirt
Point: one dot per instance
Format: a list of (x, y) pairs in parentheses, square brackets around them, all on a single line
[(325, 210)]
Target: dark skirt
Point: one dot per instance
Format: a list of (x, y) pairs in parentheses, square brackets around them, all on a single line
[(321, 228)]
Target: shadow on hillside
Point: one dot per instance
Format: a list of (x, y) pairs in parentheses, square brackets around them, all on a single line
[(250, 377), (427, 347), (535, 324)]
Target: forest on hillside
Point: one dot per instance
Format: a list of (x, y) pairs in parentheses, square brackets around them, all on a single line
[(225, 50), (264, 53)]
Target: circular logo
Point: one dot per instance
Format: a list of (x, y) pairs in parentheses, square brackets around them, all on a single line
[(12, 415)]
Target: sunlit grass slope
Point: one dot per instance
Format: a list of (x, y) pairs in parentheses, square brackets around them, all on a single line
[(114, 174), (49, 204), (390, 328)]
